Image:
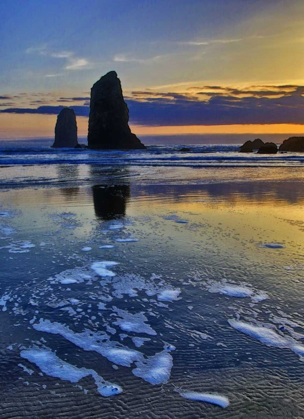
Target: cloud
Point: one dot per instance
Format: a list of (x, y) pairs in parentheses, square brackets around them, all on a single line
[(62, 54), (39, 49), (78, 64), (5, 97), (219, 110), (222, 41), (73, 99), (211, 41), (170, 96), (6, 104), (48, 110), (125, 58), (72, 61), (53, 75), (222, 105)]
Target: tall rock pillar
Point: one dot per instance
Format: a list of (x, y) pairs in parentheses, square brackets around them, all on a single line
[(66, 129), (109, 116)]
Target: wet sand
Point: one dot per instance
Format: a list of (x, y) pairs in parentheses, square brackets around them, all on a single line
[(204, 293)]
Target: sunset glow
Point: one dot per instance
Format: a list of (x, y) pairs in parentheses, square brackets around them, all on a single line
[(237, 71)]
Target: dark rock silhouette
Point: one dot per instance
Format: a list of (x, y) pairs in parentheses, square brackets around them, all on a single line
[(293, 144), (249, 146), (184, 149), (268, 148), (66, 129), (109, 116), (81, 146), (110, 202)]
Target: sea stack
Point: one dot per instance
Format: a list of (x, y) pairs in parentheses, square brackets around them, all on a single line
[(249, 146), (268, 148), (295, 144), (109, 117), (66, 129)]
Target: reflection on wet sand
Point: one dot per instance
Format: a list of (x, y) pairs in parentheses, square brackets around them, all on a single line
[(110, 201), (67, 172), (232, 193)]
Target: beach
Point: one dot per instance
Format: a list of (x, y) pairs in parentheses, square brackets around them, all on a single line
[(151, 283)]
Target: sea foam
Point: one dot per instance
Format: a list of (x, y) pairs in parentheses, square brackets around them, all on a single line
[(268, 336), (53, 366), (221, 401), (101, 268)]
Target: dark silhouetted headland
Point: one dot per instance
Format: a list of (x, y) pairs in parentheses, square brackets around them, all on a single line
[(293, 144)]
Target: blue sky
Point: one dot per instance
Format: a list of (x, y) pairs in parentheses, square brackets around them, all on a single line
[(52, 51)]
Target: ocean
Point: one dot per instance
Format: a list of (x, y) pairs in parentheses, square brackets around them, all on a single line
[(154, 283)]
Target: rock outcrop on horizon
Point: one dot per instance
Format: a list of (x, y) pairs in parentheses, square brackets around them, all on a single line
[(249, 146), (66, 129), (268, 148), (109, 117), (295, 144)]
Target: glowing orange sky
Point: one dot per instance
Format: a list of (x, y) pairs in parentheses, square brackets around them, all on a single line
[(28, 126)]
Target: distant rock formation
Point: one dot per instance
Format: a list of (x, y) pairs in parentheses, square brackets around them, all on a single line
[(249, 146), (268, 148), (109, 116), (184, 149), (66, 129), (293, 144)]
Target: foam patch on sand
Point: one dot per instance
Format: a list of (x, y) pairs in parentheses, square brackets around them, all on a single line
[(268, 336), (89, 341), (133, 322), (116, 226), (221, 401), (101, 268), (53, 366), (127, 240), (237, 291), (25, 369), (86, 249), (156, 369), (19, 246), (231, 289), (130, 285), (3, 301), (138, 342), (169, 295), (71, 276), (6, 230)]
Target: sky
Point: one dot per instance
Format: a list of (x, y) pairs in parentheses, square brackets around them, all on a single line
[(186, 67)]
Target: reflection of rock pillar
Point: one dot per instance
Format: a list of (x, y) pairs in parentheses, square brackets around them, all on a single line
[(110, 201), (67, 173)]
